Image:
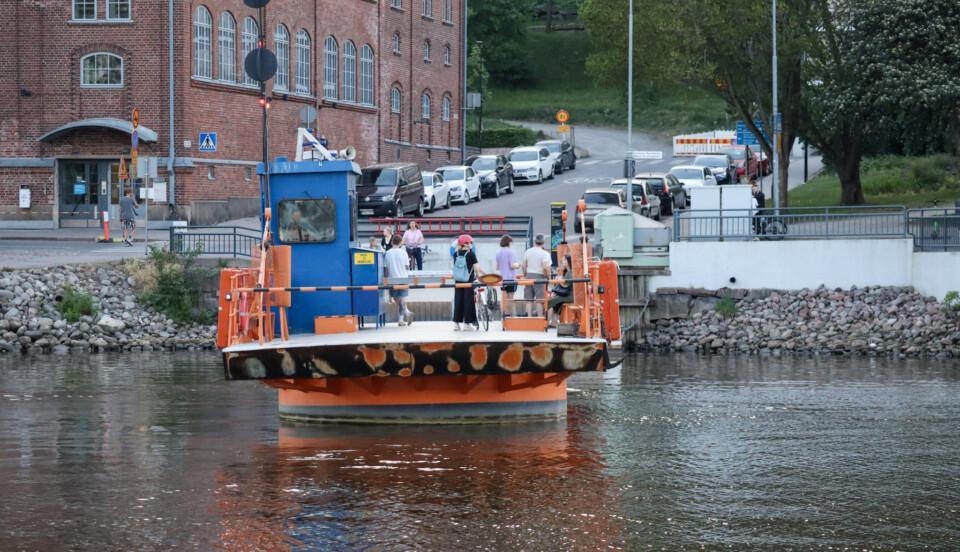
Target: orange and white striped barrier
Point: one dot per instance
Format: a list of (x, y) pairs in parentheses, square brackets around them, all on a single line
[(714, 141)]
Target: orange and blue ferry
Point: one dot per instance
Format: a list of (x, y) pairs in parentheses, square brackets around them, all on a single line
[(299, 320)]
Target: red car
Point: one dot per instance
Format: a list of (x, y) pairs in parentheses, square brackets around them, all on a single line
[(746, 161)]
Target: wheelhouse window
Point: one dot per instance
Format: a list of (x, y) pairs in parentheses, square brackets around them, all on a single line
[(118, 9), (101, 70), (366, 75), (302, 83), (425, 107), (349, 72), (445, 109), (281, 39), (307, 220), (251, 32), (396, 98), (227, 47), (331, 55), (202, 48), (85, 10)]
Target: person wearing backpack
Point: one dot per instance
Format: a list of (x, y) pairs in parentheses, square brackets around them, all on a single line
[(465, 269)]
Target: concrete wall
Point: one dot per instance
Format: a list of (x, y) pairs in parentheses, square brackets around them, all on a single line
[(936, 273)]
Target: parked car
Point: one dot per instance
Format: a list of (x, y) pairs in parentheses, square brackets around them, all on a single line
[(495, 172), (436, 192), (667, 188), (692, 176), (721, 166), (564, 158), (645, 201), (531, 164), (597, 201), (745, 161), (463, 182), (390, 189)]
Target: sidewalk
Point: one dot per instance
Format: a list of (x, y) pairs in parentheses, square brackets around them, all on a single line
[(93, 234)]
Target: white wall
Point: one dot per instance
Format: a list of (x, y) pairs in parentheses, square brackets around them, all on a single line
[(792, 264), (936, 273)]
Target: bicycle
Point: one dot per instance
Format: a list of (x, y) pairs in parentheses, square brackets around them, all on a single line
[(412, 263), (770, 228), (485, 299)]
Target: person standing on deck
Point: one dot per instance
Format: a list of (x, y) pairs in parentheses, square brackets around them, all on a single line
[(465, 269), (536, 266), (396, 261), (413, 241), (507, 265)]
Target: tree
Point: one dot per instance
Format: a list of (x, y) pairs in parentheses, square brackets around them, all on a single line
[(502, 27)]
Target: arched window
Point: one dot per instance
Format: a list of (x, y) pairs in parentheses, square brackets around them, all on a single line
[(227, 47), (349, 72), (396, 99), (425, 107), (366, 75), (445, 108), (446, 55), (202, 48), (281, 39), (331, 53), (426, 51), (101, 70), (251, 32), (396, 42), (302, 75)]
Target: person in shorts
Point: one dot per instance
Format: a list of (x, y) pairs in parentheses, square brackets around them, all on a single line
[(536, 266), (507, 265), (395, 262), (128, 217)]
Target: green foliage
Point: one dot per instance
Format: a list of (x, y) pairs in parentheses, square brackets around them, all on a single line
[(477, 75), (890, 180), (951, 303), (75, 304), (726, 307), (502, 26), (177, 292), (507, 137)]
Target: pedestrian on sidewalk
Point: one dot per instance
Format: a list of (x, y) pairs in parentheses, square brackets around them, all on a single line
[(507, 265), (537, 265), (413, 241), (128, 217), (465, 269), (396, 262)]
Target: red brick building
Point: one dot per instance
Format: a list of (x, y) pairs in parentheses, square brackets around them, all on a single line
[(385, 76)]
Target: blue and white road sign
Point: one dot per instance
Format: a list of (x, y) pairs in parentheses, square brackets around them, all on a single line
[(208, 141), (745, 137)]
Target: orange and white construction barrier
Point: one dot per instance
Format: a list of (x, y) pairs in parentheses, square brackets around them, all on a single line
[(714, 141)]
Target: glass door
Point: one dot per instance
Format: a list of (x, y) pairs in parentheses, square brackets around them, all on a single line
[(79, 190)]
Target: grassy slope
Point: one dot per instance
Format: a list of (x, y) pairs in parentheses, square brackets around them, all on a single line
[(559, 80), (891, 180)]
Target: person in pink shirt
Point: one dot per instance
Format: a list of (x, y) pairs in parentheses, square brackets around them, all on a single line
[(507, 265), (413, 241)]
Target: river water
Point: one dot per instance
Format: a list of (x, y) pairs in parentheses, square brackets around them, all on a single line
[(157, 452)]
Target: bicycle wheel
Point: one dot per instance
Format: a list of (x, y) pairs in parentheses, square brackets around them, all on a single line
[(776, 230), (483, 315)]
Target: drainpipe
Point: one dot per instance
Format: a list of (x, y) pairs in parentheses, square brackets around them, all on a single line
[(171, 146), (464, 49)]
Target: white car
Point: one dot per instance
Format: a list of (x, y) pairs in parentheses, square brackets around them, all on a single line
[(531, 164), (462, 181), (692, 176), (436, 191)]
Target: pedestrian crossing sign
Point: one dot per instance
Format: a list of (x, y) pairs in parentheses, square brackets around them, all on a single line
[(208, 141)]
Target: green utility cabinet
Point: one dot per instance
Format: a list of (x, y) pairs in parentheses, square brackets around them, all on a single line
[(615, 232)]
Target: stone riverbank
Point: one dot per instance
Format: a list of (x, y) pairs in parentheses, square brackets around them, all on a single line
[(30, 321), (881, 321)]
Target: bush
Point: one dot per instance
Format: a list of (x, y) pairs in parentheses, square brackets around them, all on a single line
[(144, 274), (508, 137), (177, 290), (726, 307), (75, 304), (951, 303)]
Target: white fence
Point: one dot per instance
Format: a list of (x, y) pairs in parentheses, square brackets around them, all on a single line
[(713, 141)]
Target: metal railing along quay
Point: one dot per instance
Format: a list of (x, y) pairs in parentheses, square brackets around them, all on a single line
[(841, 222), (934, 229), (224, 241)]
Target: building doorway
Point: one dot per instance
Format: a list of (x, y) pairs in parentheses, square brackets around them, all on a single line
[(87, 186)]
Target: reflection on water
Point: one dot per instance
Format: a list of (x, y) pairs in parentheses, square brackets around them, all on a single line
[(155, 451)]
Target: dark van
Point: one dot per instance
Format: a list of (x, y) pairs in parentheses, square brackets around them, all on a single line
[(390, 190)]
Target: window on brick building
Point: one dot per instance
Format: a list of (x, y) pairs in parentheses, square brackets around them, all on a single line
[(251, 32), (202, 48), (302, 83), (426, 51), (396, 99), (101, 70), (281, 39), (397, 4), (118, 9), (446, 55), (396, 42), (331, 55), (448, 11), (427, 10), (445, 108), (84, 10), (349, 72), (425, 106), (227, 47), (366, 75)]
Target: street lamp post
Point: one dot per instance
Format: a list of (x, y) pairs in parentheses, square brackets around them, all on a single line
[(626, 163), (480, 115)]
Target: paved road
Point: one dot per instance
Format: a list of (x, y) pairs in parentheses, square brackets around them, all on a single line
[(42, 253)]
